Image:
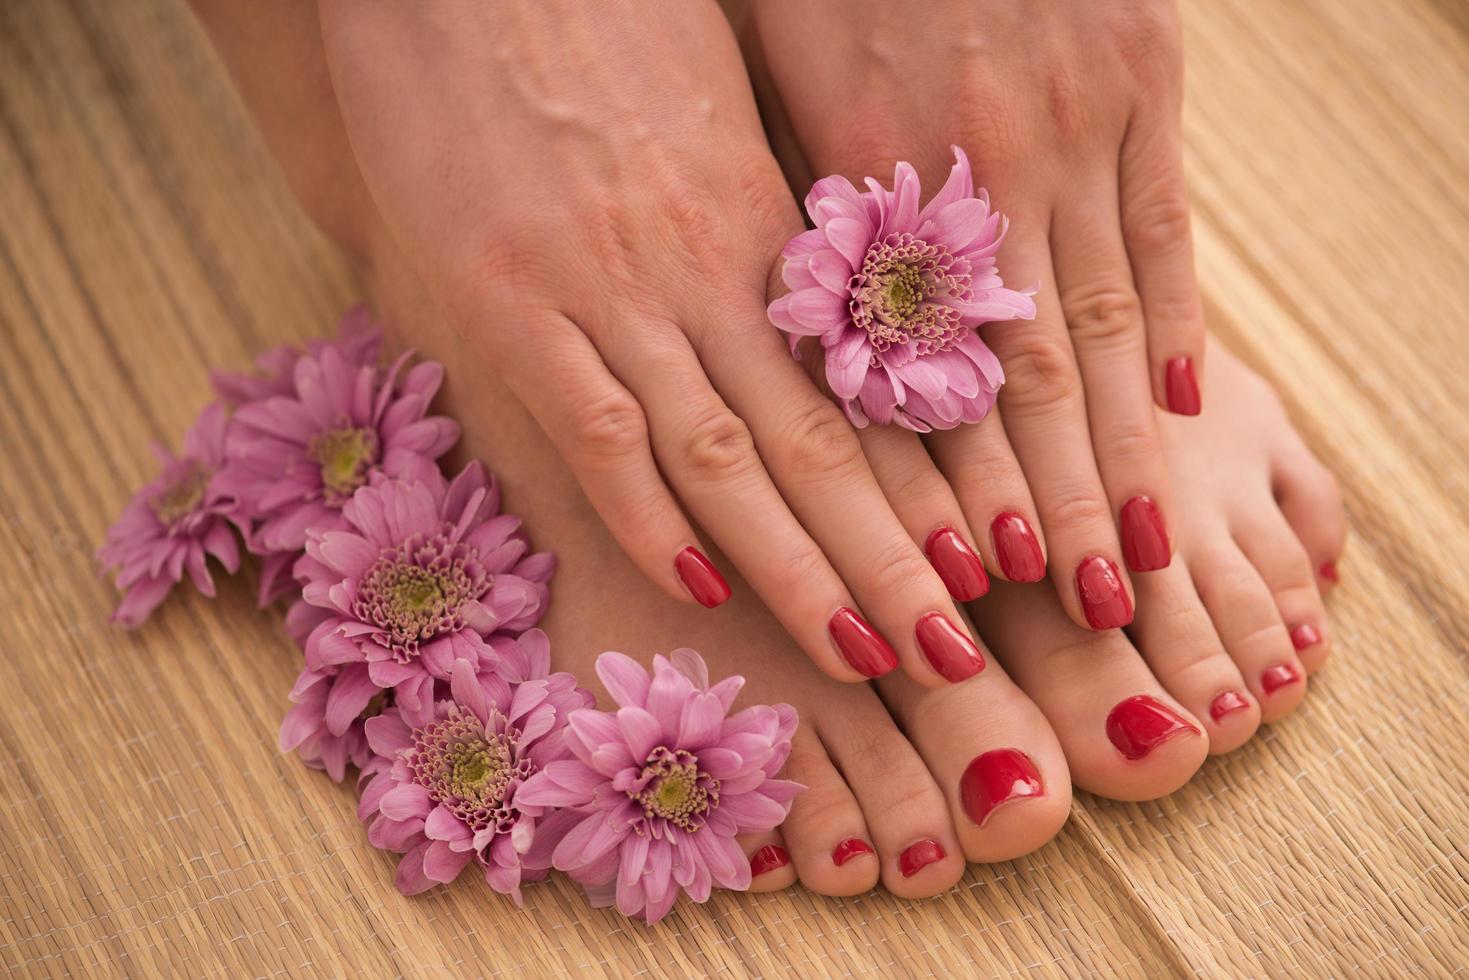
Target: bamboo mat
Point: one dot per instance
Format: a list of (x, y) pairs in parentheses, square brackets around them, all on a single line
[(148, 826)]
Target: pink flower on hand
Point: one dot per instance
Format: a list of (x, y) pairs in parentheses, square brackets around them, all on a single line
[(359, 341), (419, 576), (895, 293), (448, 792), (174, 524), (325, 725), (657, 791)]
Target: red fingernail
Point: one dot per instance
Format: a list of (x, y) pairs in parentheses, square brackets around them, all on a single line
[(862, 646), (919, 856), (951, 653), (958, 566), (1141, 723), (767, 859), (701, 578), (1304, 635), (1017, 548), (1328, 571), (998, 777), (1226, 703), (1104, 601), (850, 848), (1281, 675), (1144, 538), (1181, 386)]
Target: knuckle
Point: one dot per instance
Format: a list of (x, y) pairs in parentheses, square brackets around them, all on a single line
[(800, 570), (1160, 225), (718, 447), (611, 427), (898, 569), (1132, 445), (1074, 510), (819, 442), (1111, 316), (1041, 371)]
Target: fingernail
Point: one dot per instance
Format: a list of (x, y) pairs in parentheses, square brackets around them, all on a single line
[(995, 778), (1226, 703), (1141, 723), (958, 566), (1017, 548), (949, 651), (862, 646), (701, 578), (1104, 601), (1181, 386), (767, 859), (1281, 675), (919, 856), (1328, 571), (1304, 635), (850, 848), (1144, 538)]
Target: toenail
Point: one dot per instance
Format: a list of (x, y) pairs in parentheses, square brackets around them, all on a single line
[(1304, 635), (995, 778), (862, 646), (1181, 387), (769, 858), (1141, 723), (919, 856), (1144, 538), (1103, 599), (852, 847), (1016, 547), (1277, 677), (958, 566), (1227, 703), (951, 653), (701, 578), (1328, 571)]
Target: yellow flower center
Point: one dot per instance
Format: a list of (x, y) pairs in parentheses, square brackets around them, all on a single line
[(345, 456)]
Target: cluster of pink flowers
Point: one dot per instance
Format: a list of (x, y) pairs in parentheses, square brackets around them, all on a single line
[(415, 603)]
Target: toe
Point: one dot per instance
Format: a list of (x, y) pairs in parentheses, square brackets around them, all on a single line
[(1311, 500), (826, 835), (770, 861), (1283, 563)]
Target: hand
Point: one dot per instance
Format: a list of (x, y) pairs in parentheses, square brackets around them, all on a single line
[(589, 196), (1070, 114)]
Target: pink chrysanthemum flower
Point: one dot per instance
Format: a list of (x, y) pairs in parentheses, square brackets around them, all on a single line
[(895, 293), (174, 524), (294, 460), (421, 574), (447, 792), (657, 791), (359, 341), (325, 725)]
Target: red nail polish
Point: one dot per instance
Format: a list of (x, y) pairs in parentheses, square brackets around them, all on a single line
[(949, 650), (767, 859), (862, 646), (1144, 538), (1281, 675), (1104, 601), (701, 578), (995, 778), (1141, 723), (919, 856), (1181, 386), (850, 848), (1328, 571), (1017, 549), (1304, 635), (958, 566), (1227, 703)]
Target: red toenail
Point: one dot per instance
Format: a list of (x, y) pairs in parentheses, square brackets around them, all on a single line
[(701, 578), (996, 778), (767, 859), (850, 848), (1141, 723), (1277, 677), (1017, 549), (952, 654), (1328, 571), (1304, 635), (1103, 599), (1229, 701), (957, 564), (863, 647), (919, 856), (1181, 387), (1144, 538)]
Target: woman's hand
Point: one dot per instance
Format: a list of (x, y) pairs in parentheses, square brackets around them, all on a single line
[(1070, 114), (587, 191)]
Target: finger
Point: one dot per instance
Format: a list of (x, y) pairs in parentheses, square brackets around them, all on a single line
[(1105, 321), (1155, 225)]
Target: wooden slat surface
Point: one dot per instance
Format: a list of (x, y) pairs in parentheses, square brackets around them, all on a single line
[(148, 826)]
